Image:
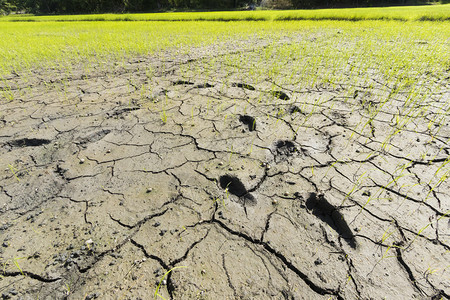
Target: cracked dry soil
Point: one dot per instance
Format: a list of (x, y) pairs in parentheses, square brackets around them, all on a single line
[(105, 188)]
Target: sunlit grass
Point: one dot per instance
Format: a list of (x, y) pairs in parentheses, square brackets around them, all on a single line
[(52, 44), (26, 46), (404, 13)]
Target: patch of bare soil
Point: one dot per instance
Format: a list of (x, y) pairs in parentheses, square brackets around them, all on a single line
[(110, 180)]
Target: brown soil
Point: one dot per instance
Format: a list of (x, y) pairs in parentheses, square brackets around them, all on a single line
[(105, 186)]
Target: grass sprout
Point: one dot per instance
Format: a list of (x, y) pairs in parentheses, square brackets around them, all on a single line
[(156, 295)]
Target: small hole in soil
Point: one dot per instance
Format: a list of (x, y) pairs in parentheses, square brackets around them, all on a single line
[(249, 121)]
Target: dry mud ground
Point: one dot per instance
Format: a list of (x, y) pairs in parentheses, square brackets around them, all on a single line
[(110, 179)]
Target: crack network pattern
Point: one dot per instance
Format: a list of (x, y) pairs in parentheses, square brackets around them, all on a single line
[(262, 188)]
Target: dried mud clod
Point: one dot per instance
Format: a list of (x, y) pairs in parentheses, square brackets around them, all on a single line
[(243, 86), (329, 214), (249, 121), (280, 95), (235, 187)]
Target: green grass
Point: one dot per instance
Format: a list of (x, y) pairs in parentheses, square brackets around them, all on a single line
[(403, 13), (26, 46), (56, 45), (50, 43)]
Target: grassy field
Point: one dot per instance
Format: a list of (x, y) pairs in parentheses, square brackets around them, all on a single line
[(49, 42), (26, 46), (313, 153), (403, 13)]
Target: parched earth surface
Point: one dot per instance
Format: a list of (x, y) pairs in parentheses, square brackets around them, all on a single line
[(244, 188)]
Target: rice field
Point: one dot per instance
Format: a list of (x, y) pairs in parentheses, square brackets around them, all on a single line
[(402, 13), (266, 155)]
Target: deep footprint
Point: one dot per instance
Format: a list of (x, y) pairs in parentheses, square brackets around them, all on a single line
[(280, 95), (182, 82), (25, 142), (329, 214), (237, 188), (204, 86), (294, 109), (249, 121), (243, 86), (285, 148)]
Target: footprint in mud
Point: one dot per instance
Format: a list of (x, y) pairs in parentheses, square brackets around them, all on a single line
[(285, 148), (243, 86), (203, 86), (280, 95), (249, 121), (120, 111), (329, 214), (93, 137), (26, 142), (182, 82), (237, 188), (294, 109)]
